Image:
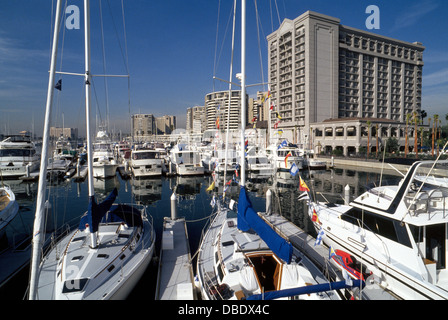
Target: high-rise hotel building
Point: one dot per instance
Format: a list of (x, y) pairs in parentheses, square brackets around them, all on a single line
[(321, 70)]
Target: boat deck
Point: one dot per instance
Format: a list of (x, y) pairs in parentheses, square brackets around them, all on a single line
[(319, 255), (175, 280)]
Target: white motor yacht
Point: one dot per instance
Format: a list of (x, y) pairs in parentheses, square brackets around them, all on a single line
[(18, 156), (146, 162), (284, 155), (186, 159), (398, 232), (104, 162)]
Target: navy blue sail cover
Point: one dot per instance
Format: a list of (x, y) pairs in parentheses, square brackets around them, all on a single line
[(323, 287), (249, 219), (96, 211)]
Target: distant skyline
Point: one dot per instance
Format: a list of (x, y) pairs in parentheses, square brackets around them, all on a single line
[(173, 50)]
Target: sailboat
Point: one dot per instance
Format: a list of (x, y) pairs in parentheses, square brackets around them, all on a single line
[(107, 254), (241, 257)]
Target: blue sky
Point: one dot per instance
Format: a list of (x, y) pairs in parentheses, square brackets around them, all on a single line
[(172, 56)]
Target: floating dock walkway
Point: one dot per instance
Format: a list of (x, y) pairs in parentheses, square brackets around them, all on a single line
[(175, 279), (319, 255)]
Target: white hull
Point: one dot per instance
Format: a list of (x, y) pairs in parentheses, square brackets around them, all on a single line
[(104, 170), (146, 168), (398, 231), (18, 170), (112, 284), (189, 170)]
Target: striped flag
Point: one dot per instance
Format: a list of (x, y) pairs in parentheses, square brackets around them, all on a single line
[(319, 237)]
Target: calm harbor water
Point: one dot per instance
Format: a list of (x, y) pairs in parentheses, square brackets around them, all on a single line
[(69, 200)]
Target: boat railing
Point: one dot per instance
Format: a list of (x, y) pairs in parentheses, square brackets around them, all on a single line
[(430, 202)]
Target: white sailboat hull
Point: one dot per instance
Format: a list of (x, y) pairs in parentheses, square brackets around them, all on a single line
[(107, 285)]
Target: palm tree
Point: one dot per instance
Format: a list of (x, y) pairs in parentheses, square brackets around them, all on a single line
[(416, 121), (368, 137), (408, 117), (434, 131), (423, 115), (376, 140)]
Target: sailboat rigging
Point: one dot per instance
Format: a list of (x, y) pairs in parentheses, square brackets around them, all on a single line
[(107, 254), (240, 255)]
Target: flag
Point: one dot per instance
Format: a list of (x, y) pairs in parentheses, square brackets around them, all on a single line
[(315, 218), (267, 96), (348, 280), (276, 125), (272, 107), (283, 144), (303, 186), (286, 159), (278, 115), (213, 202), (331, 252), (294, 169), (211, 187), (319, 237), (280, 131), (303, 196), (58, 85), (217, 122)]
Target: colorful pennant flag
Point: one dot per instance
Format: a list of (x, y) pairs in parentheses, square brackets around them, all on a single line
[(331, 252), (286, 159), (303, 186), (211, 187), (315, 218)]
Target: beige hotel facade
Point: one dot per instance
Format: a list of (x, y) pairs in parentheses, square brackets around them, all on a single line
[(331, 83)]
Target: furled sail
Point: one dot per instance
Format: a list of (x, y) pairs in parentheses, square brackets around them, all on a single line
[(96, 211), (249, 219)]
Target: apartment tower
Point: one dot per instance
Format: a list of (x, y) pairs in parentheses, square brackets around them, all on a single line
[(321, 70)]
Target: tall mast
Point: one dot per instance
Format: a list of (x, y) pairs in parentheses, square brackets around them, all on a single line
[(38, 234), (88, 79), (243, 91)]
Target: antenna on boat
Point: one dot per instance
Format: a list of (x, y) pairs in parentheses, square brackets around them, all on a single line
[(38, 234)]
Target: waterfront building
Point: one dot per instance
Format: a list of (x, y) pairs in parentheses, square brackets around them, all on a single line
[(165, 124), (196, 119), (70, 133), (144, 126), (217, 106), (322, 71)]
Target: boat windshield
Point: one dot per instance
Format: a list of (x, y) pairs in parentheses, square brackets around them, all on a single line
[(17, 152), (145, 155), (101, 147)]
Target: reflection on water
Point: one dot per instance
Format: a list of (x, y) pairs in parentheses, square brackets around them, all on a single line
[(69, 201)]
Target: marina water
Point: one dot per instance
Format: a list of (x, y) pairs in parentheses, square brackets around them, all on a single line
[(69, 198)]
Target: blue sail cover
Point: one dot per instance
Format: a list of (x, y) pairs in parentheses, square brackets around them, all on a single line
[(96, 211), (270, 295), (249, 219)]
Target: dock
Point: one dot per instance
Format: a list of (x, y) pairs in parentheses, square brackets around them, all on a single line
[(175, 279), (319, 255)]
